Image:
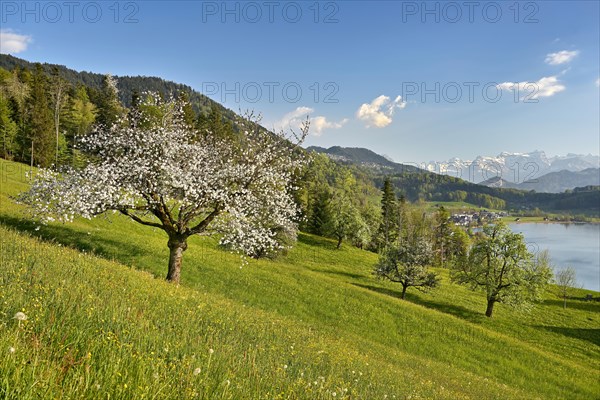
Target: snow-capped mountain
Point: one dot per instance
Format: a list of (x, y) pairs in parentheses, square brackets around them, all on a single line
[(512, 167)]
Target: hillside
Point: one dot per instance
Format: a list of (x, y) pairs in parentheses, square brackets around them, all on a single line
[(126, 84), (307, 325), (365, 158)]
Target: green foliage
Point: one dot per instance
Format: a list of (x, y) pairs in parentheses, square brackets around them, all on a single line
[(500, 265), (406, 263), (451, 242), (406, 260), (389, 214), (345, 220), (8, 129), (214, 125), (338, 202), (81, 113), (40, 127), (108, 103)]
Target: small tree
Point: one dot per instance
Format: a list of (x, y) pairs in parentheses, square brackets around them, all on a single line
[(566, 280), (168, 177), (345, 220), (406, 263), (499, 264)]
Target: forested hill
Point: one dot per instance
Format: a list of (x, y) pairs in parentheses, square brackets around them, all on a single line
[(366, 158), (126, 84), (417, 184)]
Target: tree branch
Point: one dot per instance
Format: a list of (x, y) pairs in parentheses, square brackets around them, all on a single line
[(141, 221), (204, 223)]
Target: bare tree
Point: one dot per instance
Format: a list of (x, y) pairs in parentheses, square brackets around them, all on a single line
[(566, 280)]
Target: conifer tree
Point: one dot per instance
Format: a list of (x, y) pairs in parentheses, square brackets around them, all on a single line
[(40, 127), (389, 224)]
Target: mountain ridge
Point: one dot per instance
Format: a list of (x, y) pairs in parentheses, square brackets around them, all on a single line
[(552, 182), (514, 167), (125, 84)]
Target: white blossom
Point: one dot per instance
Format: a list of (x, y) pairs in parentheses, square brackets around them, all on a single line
[(174, 178)]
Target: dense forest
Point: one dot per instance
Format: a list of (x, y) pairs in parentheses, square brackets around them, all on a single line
[(127, 86)]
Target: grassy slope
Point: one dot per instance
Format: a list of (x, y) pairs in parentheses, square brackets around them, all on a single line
[(318, 311)]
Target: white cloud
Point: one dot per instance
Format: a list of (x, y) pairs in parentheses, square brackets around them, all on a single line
[(294, 119), (11, 42), (598, 82), (320, 123), (561, 57), (544, 87), (379, 112)]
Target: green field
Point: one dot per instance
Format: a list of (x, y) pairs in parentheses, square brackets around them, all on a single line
[(102, 323)]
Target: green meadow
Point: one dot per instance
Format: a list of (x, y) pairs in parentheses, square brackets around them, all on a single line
[(314, 324)]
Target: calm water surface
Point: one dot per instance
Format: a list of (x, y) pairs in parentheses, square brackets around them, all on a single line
[(575, 245)]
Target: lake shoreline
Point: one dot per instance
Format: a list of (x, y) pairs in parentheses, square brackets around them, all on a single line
[(540, 220)]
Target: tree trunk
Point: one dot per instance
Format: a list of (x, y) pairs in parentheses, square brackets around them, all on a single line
[(403, 292), (565, 303), (490, 308), (177, 246), (339, 242)]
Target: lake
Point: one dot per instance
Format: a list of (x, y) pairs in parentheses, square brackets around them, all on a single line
[(575, 245)]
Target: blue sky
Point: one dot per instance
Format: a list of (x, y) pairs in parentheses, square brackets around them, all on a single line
[(393, 76)]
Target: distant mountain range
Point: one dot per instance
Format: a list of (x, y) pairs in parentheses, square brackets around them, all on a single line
[(530, 171), (518, 168), (553, 182)]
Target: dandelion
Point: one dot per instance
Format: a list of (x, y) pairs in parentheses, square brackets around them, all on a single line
[(11, 350), (197, 371), (20, 316), (334, 394), (210, 351), (227, 382), (97, 386), (285, 366)]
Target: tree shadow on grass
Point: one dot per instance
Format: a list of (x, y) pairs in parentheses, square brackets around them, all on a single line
[(66, 236), (457, 311), (576, 304), (590, 335), (316, 241), (340, 273)]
